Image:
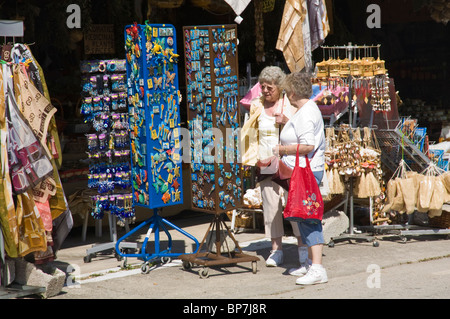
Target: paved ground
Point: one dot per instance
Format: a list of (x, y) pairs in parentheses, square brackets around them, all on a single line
[(418, 268)]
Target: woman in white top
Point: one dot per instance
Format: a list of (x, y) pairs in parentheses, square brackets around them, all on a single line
[(263, 132), (305, 129)]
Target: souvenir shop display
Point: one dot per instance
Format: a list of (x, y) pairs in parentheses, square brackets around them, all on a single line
[(31, 195), (410, 192), (155, 135), (213, 119), (354, 157), (213, 115), (104, 107), (352, 153), (353, 69), (154, 110)]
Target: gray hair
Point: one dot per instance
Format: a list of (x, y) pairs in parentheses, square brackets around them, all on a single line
[(272, 74), (298, 83)]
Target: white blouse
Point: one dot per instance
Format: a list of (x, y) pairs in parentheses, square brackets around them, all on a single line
[(305, 127)]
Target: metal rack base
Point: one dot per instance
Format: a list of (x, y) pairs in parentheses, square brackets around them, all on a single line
[(351, 235), (405, 231), (156, 223), (17, 291), (91, 252), (210, 259)]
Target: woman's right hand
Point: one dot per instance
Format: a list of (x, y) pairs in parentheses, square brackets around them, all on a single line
[(280, 118)]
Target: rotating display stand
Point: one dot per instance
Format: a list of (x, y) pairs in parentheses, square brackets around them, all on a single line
[(212, 85), (154, 113)]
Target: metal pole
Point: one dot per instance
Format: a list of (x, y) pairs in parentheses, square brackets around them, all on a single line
[(350, 57)]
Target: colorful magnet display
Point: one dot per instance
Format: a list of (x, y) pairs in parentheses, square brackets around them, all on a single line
[(153, 98), (104, 106), (213, 114)]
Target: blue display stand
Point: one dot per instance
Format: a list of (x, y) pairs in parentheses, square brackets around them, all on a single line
[(153, 100)]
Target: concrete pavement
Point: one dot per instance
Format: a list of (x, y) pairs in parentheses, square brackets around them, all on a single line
[(417, 268)]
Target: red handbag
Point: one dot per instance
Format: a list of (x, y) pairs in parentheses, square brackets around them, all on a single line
[(267, 167), (304, 197), (283, 175)]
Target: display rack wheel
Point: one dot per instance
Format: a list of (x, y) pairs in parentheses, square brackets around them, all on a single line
[(125, 263), (203, 273), (375, 243), (88, 258), (254, 267), (404, 239), (166, 260), (331, 244), (145, 268), (186, 265), (118, 257)]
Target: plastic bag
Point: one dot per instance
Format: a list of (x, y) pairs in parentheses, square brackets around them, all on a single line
[(409, 196), (398, 202), (437, 199), (426, 186), (391, 191)]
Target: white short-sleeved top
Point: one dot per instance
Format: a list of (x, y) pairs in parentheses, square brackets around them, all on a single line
[(305, 127)]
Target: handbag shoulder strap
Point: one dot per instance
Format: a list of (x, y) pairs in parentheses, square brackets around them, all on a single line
[(297, 156)]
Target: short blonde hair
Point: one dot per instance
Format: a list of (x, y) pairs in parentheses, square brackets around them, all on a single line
[(272, 74), (298, 83)]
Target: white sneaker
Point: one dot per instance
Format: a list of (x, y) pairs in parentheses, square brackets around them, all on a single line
[(315, 275), (299, 271), (275, 259)]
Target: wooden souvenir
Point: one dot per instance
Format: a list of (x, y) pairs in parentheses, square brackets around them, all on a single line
[(367, 66), (379, 67), (344, 68), (334, 68), (356, 67), (322, 69)]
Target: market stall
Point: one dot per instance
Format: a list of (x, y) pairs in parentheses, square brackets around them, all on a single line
[(361, 165), (32, 198)]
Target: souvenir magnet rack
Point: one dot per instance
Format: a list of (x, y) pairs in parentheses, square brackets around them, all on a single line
[(212, 86), (104, 107), (154, 114), (350, 51)]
